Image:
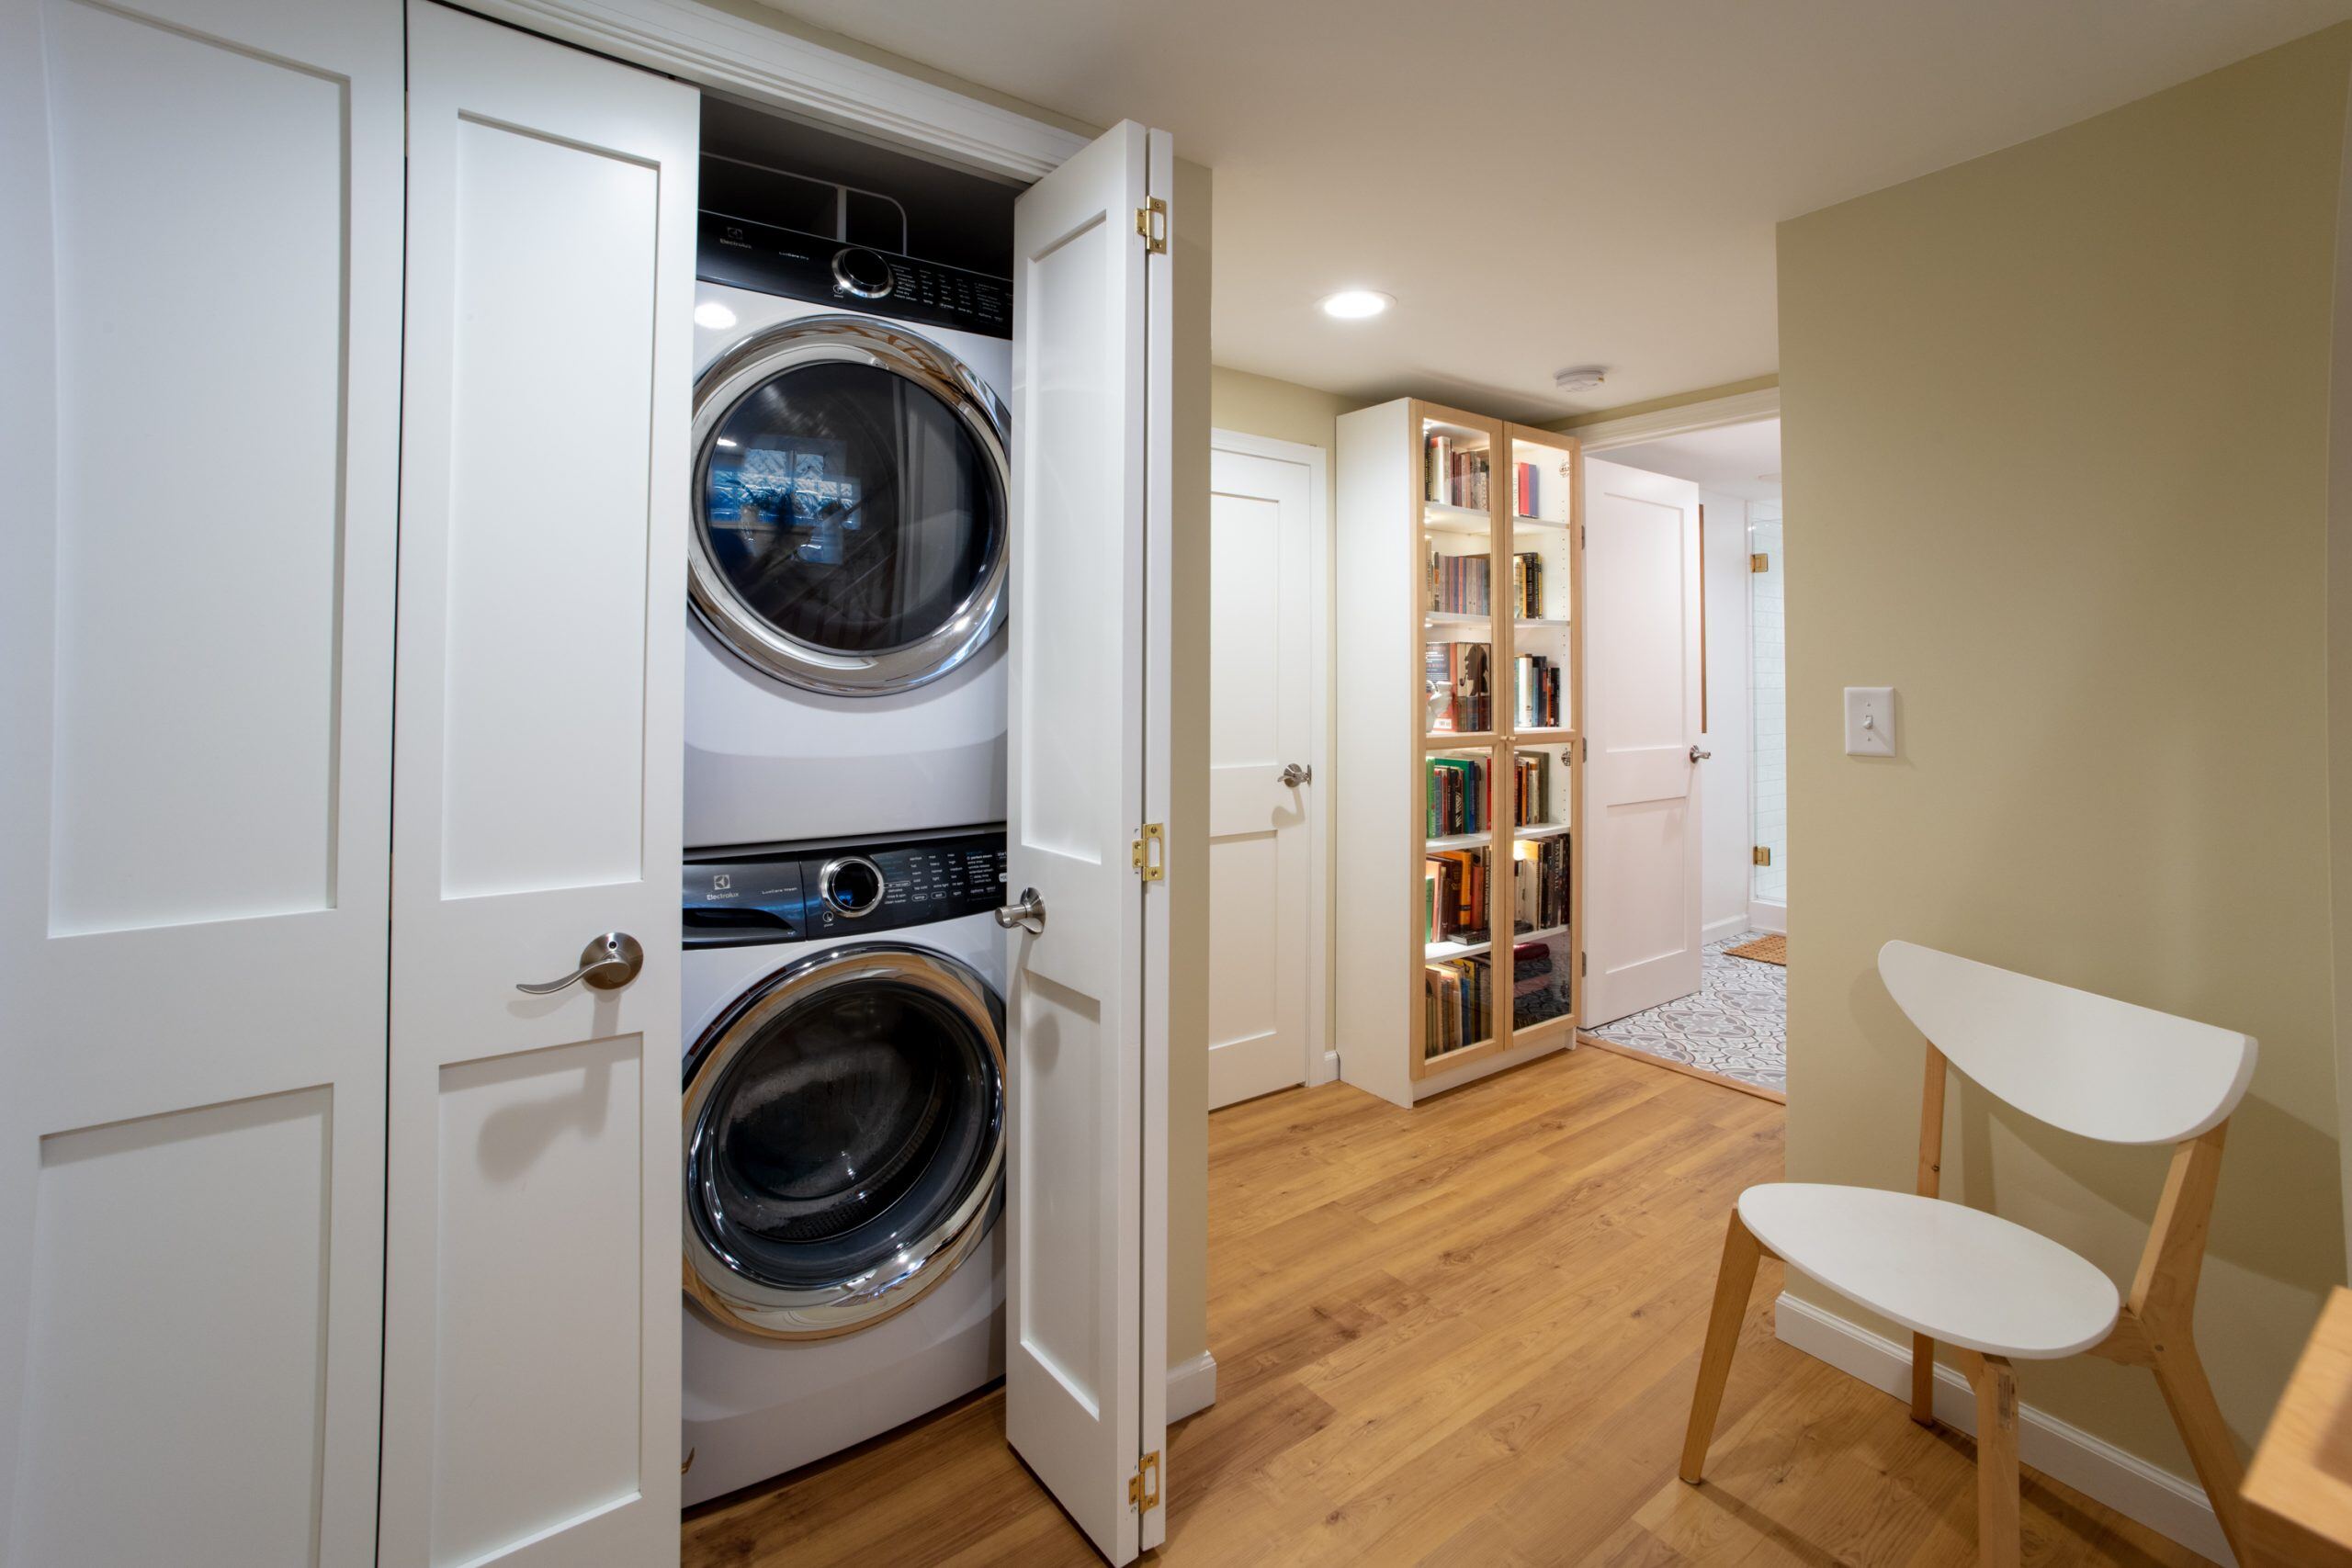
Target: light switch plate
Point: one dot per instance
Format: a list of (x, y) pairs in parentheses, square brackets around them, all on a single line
[(1870, 721)]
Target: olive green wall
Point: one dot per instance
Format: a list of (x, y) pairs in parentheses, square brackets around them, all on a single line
[(2056, 439)]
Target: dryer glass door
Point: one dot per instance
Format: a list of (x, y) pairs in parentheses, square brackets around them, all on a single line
[(851, 506)]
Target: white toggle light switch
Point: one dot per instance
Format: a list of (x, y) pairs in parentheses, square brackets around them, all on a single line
[(1870, 721)]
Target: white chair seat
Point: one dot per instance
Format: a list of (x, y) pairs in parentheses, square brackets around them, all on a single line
[(1943, 1269)]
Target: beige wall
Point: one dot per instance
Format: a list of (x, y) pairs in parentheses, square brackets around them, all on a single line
[(1188, 811), (2055, 433)]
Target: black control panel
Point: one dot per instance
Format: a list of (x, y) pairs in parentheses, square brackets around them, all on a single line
[(847, 891), (745, 254)]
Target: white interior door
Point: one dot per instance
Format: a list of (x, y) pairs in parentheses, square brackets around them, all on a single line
[(1265, 510), (199, 369), (1641, 782), (531, 1349), (1086, 1352)]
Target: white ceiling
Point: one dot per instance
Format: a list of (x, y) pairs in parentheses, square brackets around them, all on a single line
[(1550, 183), (1733, 459)]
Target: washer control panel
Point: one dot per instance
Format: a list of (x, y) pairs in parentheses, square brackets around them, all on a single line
[(745, 254), (848, 890)]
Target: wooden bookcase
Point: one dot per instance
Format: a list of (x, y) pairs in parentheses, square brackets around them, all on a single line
[(1389, 529)]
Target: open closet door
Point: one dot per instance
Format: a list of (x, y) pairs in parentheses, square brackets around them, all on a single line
[(1086, 1354), (1642, 773), (531, 1308)]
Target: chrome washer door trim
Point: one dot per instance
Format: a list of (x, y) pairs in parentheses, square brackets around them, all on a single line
[(738, 1301), (855, 340)]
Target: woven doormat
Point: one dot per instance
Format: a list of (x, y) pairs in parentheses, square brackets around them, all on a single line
[(1764, 949)]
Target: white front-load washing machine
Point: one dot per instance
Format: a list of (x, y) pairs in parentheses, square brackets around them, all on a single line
[(846, 569), (844, 1146)]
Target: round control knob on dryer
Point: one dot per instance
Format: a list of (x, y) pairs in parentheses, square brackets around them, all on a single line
[(851, 885), (864, 273)]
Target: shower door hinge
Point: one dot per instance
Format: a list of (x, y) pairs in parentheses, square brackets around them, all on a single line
[(1151, 222), (1140, 1498), (1763, 855), (1759, 563), (1150, 853)]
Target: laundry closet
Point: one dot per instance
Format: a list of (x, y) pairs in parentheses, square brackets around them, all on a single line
[(561, 620)]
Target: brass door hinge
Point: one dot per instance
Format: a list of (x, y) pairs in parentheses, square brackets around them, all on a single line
[(1763, 855), (1150, 853), (1759, 563), (1143, 1499), (1584, 965), (1151, 222)]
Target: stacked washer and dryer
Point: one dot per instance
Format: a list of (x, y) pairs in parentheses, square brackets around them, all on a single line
[(845, 800)]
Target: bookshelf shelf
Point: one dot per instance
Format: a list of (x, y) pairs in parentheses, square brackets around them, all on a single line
[(1457, 597)]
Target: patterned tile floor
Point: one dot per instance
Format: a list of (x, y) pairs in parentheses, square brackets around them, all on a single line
[(1736, 1023)]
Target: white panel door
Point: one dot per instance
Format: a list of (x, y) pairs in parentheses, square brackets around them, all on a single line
[(1086, 1358), (1640, 781), (1264, 603), (199, 381), (531, 1306)]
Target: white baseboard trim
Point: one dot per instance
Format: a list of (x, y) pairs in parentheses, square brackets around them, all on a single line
[(1770, 918), (1717, 931), (2170, 1504), (1192, 1386)]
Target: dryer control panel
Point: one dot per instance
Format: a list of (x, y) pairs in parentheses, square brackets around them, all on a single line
[(846, 890), (786, 262)]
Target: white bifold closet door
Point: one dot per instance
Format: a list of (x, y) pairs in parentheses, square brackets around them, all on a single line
[(1086, 1361), (199, 375), (531, 1303)]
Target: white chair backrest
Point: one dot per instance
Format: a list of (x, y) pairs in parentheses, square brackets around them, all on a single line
[(2088, 1064)]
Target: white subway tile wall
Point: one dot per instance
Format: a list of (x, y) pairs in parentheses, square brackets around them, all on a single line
[(1768, 630)]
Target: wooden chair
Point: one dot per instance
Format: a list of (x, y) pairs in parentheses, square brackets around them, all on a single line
[(1996, 1291)]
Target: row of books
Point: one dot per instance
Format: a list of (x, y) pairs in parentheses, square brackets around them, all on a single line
[(1457, 999), (1454, 477), (1459, 798), (1539, 983), (1460, 702), (1540, 883), (1454, 896), (1458, 584), (1532, 791), (1536, 692)]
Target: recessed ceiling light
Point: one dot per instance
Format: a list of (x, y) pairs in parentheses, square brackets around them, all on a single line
[(714, 315), (1355, 304), (1583, 379)]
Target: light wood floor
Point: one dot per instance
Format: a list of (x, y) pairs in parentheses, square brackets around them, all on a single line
[(1463, 1333)]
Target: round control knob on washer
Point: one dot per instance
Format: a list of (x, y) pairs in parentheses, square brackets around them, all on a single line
[(864, 273), (851, 885)]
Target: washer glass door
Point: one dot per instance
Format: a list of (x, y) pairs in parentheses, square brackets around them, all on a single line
[(844, 1137), (850, 505)]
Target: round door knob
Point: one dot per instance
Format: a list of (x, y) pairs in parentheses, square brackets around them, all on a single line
[(866, 273)]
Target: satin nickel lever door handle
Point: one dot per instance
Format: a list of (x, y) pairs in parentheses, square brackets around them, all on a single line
[(1296, 774), (1029, 914), (606, 963), (1698, 756)]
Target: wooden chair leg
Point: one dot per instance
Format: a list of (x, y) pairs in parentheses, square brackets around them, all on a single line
[(1998, 1538), (1734, 1279), (2189, 1397), (1923, 1379)]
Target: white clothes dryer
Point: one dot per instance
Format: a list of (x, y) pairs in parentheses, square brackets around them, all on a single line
[(844, 670), (844, 1147)]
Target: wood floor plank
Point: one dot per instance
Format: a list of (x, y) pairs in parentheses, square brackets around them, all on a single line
[(1462, 1333)]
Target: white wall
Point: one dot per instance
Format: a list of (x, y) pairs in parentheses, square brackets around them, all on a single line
[(1770, 662), (1724, 806)]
